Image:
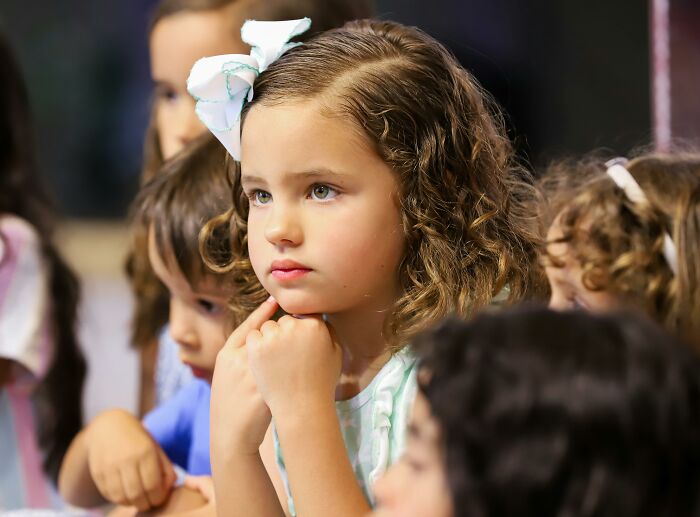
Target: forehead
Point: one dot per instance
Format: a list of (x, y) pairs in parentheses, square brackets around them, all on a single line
[(301, 136), (178, 40)]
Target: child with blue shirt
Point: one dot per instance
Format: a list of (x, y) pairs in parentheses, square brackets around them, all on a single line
[(122, 460)]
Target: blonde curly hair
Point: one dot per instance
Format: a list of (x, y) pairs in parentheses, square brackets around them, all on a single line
[(463, 203), (619, 243)]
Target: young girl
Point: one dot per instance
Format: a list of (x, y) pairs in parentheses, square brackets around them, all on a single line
[(377, 194), (544, 414), (117, 458), (626, 234), (181, 32), (41, 366)]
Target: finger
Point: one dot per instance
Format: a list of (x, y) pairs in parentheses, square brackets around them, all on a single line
[(253, 338), (133, 487), (113, 489), (151, 473), (269, 327), (254, 321), (202, 484)]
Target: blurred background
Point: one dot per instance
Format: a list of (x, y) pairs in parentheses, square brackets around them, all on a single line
[(571, 76)]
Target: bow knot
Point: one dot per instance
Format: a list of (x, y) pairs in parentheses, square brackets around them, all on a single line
[(221, 85)]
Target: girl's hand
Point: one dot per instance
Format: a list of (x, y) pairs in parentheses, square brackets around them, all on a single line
[(296, 363), (126, 464), (239, 415)]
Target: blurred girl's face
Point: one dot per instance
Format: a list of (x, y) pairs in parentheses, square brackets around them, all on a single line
[(566, 280), (176, 42), (416, 486)]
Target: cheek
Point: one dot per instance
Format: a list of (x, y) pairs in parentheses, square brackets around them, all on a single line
[(164, 125), (257, 245), (367, 242)]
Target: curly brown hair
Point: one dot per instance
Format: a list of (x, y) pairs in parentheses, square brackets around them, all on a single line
[(151, 302), (619, 243), (463, 195)]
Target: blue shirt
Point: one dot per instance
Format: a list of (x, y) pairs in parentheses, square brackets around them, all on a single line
[(181, 427)]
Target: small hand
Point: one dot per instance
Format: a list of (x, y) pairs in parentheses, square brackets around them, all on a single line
[(126, 464), (239, 415), (296, 362)]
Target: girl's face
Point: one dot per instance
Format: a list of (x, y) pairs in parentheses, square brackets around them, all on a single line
[(177, 41), (416, 486), (566, 282), (198, 318), (324, 228)]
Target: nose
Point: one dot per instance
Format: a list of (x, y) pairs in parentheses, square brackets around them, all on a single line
[(283, 227), (188, 124), (181, 328)]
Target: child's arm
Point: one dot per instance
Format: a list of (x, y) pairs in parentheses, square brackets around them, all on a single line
[(296, 365), (239, 420), (115, 460)]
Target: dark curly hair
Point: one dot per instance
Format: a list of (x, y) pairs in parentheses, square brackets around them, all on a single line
[(548, 414), (619, 243), (190, 189), (463, 196)]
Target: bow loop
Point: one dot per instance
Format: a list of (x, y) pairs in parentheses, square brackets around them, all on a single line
[(221, 85)]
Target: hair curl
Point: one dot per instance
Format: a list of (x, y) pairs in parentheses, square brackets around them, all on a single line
[(463, 203), (549, 414), (620, 243)]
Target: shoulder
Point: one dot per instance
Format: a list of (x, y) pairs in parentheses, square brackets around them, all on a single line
[(16, 235)]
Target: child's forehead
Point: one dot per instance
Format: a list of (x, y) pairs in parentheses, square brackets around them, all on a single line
[(299, 133)]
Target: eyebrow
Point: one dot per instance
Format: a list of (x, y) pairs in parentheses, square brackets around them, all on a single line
[(314, 173)]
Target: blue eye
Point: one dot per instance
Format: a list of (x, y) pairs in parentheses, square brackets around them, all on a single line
[(322, 192)]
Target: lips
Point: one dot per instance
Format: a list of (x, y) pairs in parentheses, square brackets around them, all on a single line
[(198, 372), (288, 270)]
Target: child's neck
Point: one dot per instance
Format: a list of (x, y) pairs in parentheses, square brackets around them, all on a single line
[(365, 350)]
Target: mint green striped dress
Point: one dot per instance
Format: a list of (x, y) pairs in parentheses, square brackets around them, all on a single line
[(373, 423)]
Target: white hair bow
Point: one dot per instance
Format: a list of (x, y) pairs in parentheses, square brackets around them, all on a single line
[(221, 85), (625, 181)]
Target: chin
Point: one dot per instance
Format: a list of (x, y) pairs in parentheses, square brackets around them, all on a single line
[(294, 303)]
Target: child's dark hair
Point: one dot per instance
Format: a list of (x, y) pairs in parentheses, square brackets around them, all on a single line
[(549, 414), (619, 243), (58, 397), (190, 189), (151, 305), (462, 194)]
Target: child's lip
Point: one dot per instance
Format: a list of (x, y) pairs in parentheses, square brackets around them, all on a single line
[(198, 372), (287, 265)]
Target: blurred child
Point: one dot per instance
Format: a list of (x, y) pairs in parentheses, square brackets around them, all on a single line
[(626, 234), (533, 413), (369, 211), (117, 458), (181, 32), (41, 366)]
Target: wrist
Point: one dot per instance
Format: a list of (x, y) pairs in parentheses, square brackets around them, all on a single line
[(302, 413)]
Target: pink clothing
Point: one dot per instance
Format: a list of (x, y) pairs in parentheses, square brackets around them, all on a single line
[(25, 339)]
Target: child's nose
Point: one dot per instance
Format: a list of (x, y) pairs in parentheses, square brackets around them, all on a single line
[(181, 328), (283, 227)]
